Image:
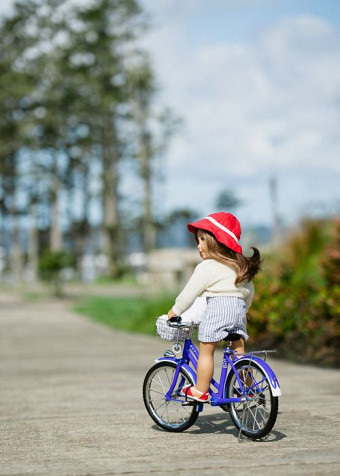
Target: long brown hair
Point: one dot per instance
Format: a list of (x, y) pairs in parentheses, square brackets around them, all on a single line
[(244, 267)]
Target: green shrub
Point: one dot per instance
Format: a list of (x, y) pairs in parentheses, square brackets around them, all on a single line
[(51, 265), (296, 306)]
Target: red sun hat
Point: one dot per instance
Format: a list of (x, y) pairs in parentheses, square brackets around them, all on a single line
[(224, 226)]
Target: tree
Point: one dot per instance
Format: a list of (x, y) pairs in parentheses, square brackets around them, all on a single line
[(103, 41), (17, 85), (227, 200), (29, 123), (152, 132), (9, 183), (174, 228), (142, 86), (51, 266), (78, 100)]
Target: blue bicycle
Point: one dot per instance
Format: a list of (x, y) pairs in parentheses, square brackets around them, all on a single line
[(248, 388)]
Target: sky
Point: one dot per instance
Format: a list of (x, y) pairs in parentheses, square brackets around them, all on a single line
[(256, 84)]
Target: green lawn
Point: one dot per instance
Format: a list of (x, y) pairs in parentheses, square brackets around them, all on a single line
[(134, 314)]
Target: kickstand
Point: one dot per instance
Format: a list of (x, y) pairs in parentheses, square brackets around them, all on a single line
[(239, 440)]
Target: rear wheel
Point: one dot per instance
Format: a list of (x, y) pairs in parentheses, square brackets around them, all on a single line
[(256, 416), (170, 415)]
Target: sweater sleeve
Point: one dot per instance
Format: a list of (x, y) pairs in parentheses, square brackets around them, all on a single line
[(249, 299), (194, 287)]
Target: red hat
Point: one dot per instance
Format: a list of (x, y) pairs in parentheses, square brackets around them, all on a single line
[(224, 226)]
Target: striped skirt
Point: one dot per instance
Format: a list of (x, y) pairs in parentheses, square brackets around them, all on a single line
[(223, 314)]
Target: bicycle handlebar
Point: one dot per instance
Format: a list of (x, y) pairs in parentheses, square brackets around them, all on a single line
[(176, 321)]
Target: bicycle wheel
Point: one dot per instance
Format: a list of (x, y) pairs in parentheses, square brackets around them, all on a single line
[(168, 414), (256, 417)]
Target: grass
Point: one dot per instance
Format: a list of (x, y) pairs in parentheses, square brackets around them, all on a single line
[(126, 279), (133, 314)]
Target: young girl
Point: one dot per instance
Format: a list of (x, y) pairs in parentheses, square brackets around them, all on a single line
[(224, 277)]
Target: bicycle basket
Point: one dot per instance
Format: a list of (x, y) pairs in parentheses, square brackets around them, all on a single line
[(170, 333)]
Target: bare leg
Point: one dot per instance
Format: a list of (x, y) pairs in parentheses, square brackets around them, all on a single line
[(238, 346), (205, 366)]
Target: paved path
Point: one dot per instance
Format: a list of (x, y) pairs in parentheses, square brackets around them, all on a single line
[(70, 404)]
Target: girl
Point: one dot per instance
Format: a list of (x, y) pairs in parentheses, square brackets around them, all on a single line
[(224, 277)]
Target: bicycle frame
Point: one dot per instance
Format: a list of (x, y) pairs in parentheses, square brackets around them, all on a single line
[(190, 356)]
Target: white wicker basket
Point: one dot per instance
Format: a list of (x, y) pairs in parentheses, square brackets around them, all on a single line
[(193, 314), (170, 333)]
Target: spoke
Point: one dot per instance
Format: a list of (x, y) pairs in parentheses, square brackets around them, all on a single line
[(169, 412), (160, 383), (169, 378), (253, 414), (255, 420), (258, 413), (157, 392), (157, 401), (160, 406)]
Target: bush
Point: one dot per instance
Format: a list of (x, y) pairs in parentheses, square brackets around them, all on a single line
[(51, 265), (296, 306)]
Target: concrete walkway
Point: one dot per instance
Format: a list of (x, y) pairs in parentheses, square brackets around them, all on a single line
[(71, 404)]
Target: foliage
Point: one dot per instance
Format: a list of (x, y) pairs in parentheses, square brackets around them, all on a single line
[(227, 200), (51, 265), (297, 307), (78, 95)]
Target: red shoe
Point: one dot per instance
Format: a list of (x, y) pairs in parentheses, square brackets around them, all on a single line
[(186, 391)]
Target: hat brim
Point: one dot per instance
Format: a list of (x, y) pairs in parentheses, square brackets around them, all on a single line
[(220, 235)]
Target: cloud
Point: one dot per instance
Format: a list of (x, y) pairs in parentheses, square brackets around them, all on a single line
[(269, 106), (255, 104)]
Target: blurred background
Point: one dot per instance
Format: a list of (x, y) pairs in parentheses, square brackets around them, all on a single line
[(122, 120)]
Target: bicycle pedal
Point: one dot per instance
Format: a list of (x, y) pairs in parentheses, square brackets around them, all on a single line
[(189, 403)]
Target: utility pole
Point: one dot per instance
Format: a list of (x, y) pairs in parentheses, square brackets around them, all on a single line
[(276, 228)]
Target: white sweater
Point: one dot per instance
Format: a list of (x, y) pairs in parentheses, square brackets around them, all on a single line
[(212, 278)]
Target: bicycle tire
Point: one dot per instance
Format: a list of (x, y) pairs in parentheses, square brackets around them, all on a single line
[(170, 415), (255, 417)]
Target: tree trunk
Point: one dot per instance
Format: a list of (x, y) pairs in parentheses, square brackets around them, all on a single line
[(16, 251), (144, 158), (33, 245), (146, 173), (111, 232), (82, 232), (56, 240)]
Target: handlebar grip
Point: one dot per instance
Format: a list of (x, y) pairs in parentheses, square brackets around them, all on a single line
[(175, 319)]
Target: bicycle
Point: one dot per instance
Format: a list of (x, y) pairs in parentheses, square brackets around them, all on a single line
[(248, 388)]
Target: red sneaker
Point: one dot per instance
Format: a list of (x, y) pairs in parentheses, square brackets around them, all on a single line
[(186, 391)]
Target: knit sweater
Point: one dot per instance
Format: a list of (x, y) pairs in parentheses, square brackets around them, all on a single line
[(212, 278)]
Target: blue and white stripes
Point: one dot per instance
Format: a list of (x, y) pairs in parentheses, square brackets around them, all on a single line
[(223, 314)]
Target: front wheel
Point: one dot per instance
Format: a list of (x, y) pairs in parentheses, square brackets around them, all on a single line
[(256, 416), (168, 414)]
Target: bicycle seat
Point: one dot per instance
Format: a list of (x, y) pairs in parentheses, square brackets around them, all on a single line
[(232, 336)]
